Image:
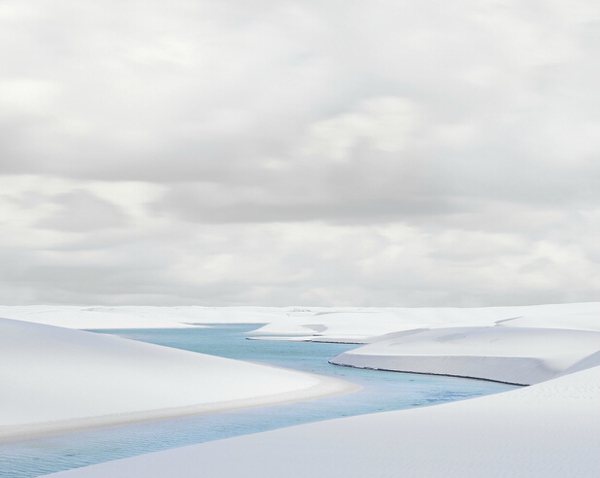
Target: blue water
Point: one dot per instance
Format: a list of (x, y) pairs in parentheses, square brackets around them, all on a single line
[(382, 391)]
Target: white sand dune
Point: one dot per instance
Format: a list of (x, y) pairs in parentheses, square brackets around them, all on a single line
[(89, 318), (312, 323), (514, 355), (578, 321), (203, 315), (56, 379), (364, 325), (550, 429), (547, 430), (352, 327), (146, 317)]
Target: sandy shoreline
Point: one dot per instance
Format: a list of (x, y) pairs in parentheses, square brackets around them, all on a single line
[(56, 380), (327, 387), (549, 429), (470, 377)]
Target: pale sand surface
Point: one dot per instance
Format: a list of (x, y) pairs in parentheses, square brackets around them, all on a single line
[(55, 379), (360, 324), (365, 325), (143, 317), (514, 355), (74, 317), (549, 429)]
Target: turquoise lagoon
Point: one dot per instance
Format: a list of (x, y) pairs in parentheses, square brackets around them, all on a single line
[(382, 391)]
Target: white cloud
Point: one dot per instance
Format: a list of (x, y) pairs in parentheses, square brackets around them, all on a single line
[(384, 122), (375, 153), (26, 97)]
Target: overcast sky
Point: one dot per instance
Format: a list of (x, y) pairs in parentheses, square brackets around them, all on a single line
[(309, 152)]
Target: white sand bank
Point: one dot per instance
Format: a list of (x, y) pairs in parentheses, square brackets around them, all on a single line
[(357, 324), (89, 318), (351, 327), (365, 325), (578, 321), (55, 379), (547, 430), (551, 429), (145, 317), (514, 355)]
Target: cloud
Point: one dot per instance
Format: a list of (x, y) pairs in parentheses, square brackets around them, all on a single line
[(380, 153), (308, 262), (384, 122), (81, 211)]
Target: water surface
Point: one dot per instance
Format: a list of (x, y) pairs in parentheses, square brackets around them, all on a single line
[(382, 391)]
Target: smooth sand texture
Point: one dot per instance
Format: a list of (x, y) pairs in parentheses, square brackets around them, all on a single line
[(142, 317), (550, 429), (517, 355), (354, 324), (56, 379), (74, 317), (365, 325), (547, 430)]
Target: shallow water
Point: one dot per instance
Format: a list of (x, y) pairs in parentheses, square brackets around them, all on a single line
[(383, 391)]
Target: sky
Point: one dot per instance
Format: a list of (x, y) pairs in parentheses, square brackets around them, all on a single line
[(303, 152)]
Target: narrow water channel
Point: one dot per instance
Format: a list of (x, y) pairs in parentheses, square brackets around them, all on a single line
[(382, 391)]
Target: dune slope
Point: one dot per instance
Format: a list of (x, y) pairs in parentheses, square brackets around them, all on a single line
[(551, 429), (57, 379), (516, 355)]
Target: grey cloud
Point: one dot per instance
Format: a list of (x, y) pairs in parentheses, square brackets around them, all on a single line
[(82, 211), (212, 91), (257, 115), (341, 212), (306, 263), (370, 188), (181, 99)]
